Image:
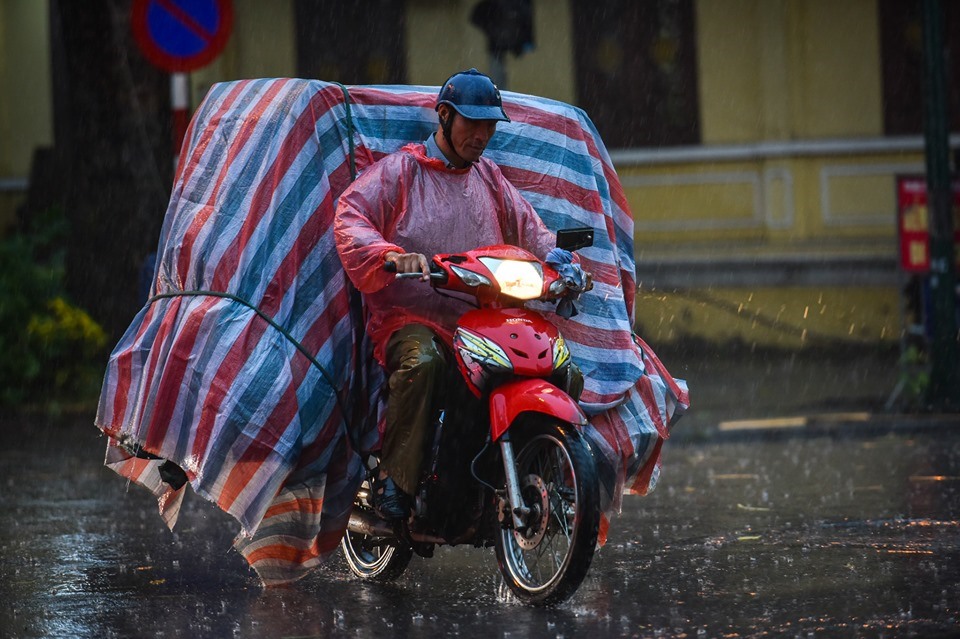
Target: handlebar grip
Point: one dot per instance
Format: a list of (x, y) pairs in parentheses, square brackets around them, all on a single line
[(436, 272)]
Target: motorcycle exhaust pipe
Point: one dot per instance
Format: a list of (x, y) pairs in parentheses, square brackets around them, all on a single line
[(366, 523)]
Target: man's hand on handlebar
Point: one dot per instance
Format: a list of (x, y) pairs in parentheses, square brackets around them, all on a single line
[(409, 263)]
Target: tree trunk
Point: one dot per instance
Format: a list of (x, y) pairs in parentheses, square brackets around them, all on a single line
[(113, 152)]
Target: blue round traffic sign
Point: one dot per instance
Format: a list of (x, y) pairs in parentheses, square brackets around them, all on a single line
[(181, 35)]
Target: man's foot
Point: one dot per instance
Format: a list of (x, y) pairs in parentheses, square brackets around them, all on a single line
[(388, 500)]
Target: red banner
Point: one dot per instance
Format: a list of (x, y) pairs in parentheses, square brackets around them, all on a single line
[(913, 224)]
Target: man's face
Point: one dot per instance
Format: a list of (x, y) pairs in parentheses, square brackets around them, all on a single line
[(470, 137)]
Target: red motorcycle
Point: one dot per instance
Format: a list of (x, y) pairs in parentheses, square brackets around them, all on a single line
[(509, 466)]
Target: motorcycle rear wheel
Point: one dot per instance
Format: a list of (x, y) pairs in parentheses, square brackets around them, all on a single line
[(374, 558), (545, 562)]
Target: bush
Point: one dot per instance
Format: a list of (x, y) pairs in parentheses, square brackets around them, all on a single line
[(51, 350)]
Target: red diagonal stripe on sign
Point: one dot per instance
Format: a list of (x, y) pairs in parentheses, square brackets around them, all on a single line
[(186, 19)]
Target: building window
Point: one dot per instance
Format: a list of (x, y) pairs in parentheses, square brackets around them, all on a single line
[(636, 70), (901, 44)]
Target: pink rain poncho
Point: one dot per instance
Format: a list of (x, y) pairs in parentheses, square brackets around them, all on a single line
[(411, 203), (245, 367)]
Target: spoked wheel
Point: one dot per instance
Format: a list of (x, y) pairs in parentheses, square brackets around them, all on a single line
[(369, 558), (374, 558), (545, 561)]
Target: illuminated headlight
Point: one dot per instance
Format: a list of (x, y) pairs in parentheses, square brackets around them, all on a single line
[(561, 354), (518, 279), (480, 357)]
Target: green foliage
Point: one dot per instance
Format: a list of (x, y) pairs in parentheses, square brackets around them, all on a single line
[(914, 378), (49, 349)]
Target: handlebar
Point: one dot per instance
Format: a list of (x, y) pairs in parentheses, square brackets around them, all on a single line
[(436, 273), (410, 276)]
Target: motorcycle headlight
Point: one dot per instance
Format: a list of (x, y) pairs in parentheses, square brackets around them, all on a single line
[(561, 354), (469, 277), (519, 279), (479, 357)]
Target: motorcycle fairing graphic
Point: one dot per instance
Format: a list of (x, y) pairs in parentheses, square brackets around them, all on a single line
[(242, 369)]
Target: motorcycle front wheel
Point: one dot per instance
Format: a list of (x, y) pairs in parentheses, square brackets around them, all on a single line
[(544, 562)]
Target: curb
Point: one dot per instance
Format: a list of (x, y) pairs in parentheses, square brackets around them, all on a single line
[(850, 424)]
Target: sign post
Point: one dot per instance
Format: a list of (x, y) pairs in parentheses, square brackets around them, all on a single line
[(180, 36), (945, 350), (180, 106)]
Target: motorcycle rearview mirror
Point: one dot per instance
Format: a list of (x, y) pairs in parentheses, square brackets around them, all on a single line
[(576, 238)]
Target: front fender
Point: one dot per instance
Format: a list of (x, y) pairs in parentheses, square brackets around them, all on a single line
[(530, 395)]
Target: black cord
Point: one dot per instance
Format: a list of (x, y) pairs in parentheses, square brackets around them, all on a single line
[(473, 464)]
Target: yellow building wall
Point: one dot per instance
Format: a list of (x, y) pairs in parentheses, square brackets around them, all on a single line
[(548, 70), (26, 107), (782, 73), (841, 75), (769, 71), (729, 55), (25, 96), (788, 69), (441, 40), (782, 317), (694, 202), (777, 201), (262, 45)]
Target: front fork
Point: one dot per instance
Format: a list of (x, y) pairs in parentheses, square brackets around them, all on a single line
[(509, 401), (518, 511)]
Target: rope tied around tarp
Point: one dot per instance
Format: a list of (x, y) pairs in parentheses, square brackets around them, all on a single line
[(300, 347), (356, 305), (355, 302)]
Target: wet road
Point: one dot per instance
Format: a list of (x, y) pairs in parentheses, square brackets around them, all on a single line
[(826, 536)]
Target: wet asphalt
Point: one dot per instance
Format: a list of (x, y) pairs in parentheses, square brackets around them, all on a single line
[(853, 532)]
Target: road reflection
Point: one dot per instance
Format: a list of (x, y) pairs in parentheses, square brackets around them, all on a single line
[(852, 536)]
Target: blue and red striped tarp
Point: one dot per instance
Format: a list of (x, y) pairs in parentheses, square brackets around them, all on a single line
[(244, 368)]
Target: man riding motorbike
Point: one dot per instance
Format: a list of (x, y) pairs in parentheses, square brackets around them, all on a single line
[(440, 196)]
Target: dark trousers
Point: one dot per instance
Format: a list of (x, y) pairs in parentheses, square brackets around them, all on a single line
[(417, 364)]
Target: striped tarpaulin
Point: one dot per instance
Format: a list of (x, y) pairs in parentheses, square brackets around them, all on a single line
[(242, 368)]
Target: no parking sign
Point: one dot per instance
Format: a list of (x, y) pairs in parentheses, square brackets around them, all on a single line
[(181, 35)]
